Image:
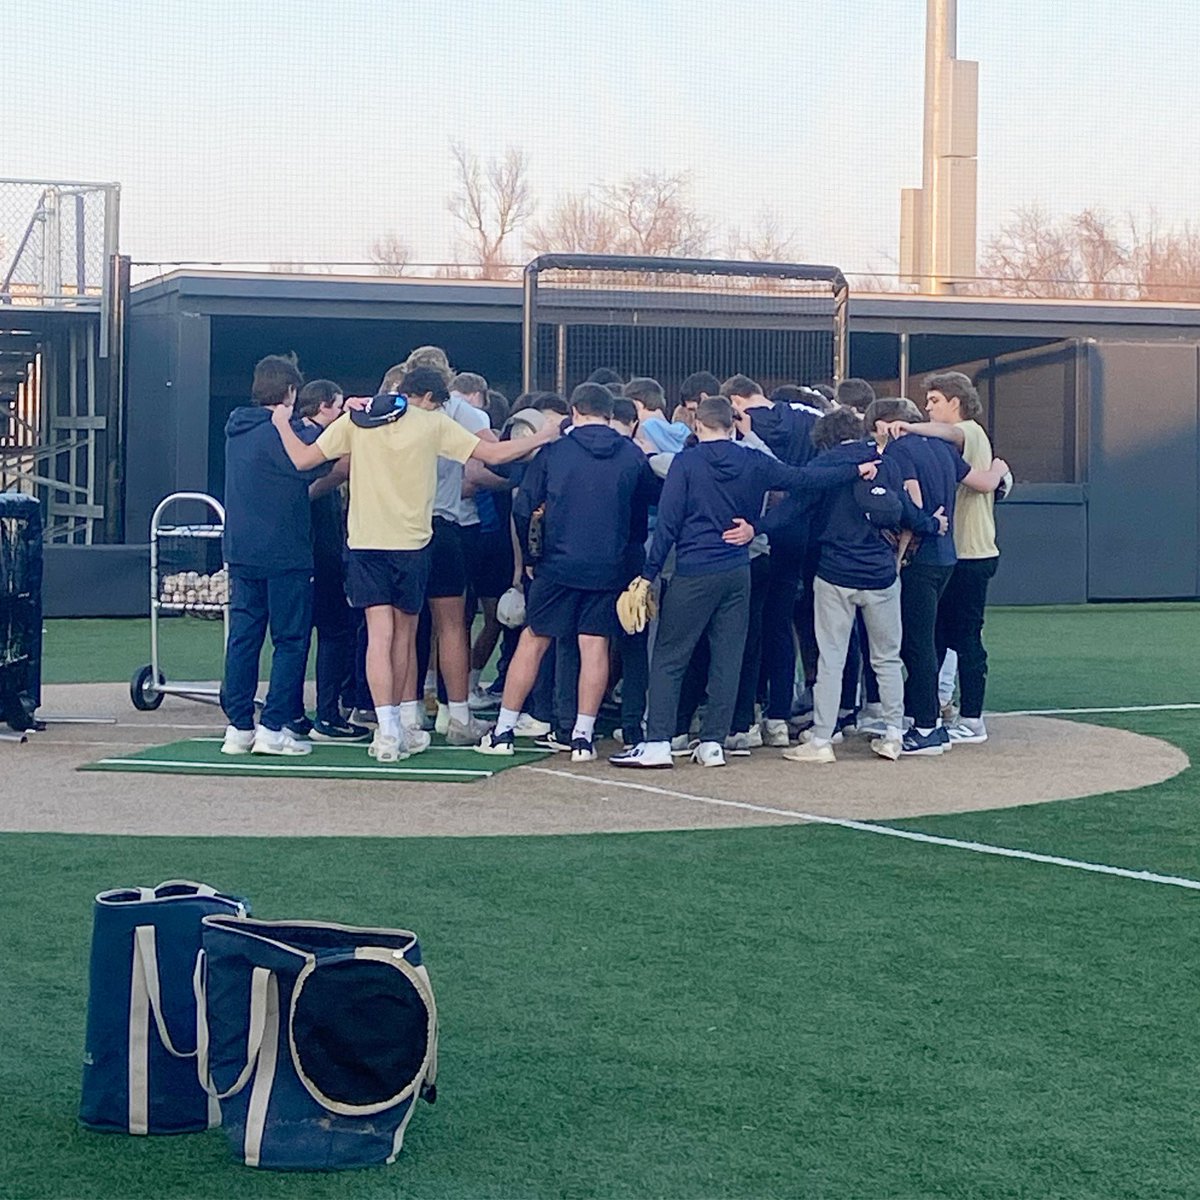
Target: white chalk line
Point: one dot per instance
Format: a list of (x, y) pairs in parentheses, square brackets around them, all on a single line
[(148, 765), (1064, 712), (907, 835)]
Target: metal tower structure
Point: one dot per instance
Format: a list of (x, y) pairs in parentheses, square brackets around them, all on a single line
[(937, 220)]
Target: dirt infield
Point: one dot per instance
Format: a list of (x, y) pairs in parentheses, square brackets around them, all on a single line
[(1029, 760)]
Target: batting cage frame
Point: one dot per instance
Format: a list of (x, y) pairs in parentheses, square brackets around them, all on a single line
[(774, 321)]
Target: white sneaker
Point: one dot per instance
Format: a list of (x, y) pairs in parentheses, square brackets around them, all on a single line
[(738, 745), (683, 744), (583, 750), (949, 713), (386, 749), (279, 742), (776, 733), (496, 743), (528, 727), (967, 731), (755, 735), (442, 723), (709, 754), (237, 741), (888, 747), (413, 740), (654, 755), (811, 752), (459, 734)]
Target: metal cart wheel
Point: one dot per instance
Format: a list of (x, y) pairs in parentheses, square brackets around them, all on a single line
[(143, 689)]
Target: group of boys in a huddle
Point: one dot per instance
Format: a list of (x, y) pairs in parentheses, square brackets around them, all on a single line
[(842, 531)]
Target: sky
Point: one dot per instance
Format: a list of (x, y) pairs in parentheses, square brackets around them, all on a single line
[(258, 130)]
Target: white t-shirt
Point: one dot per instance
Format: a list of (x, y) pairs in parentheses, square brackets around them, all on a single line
[(448, 501)]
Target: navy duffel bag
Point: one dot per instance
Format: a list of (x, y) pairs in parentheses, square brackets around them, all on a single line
[(318, 1039), (139, 1072)]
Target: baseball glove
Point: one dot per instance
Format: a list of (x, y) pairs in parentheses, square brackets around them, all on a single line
[(636, 607)]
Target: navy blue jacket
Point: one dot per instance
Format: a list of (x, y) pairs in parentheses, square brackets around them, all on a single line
[(853, 553), (787, 431), (938, 467), (597, 487), (709, 485), (267, 524)]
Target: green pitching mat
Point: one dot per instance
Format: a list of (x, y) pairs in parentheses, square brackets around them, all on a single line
[(202, 756)]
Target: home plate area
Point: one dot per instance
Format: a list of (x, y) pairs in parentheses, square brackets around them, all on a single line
[(144, 773)]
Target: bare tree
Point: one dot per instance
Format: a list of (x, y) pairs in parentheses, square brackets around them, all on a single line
[(490, 203), (1166, 263), (297, 266), (1103, 259), (577, 224), (765, 241), (655, 215), (390, 254), (1032, 256)]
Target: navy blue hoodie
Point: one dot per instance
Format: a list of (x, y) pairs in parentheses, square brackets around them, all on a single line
[(853, 552), (267, 525), (597, 487), (711, 483), (787, 431)]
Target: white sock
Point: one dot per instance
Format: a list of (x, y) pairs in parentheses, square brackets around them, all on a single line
[(388, 716), (460, 711), (473, 680), (410, 713), (924, 732), (585, 726), (507, 720)]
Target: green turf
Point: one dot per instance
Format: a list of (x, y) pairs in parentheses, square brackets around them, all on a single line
[(789, 1011), (202, 756), (1067, 657)]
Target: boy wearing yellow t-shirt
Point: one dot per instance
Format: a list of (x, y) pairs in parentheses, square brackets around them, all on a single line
[(393, 476), (953, 406)]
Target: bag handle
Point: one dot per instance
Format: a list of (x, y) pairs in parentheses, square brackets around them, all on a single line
[(264, 994), (145, 974)]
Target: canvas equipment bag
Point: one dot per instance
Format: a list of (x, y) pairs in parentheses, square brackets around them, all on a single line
[(316, 1039), (139, 1073)]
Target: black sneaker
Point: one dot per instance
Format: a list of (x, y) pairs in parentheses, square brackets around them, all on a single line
[(582, 750), (340, 731), (846, 722), (558, 742), (917, 743), (300, 728)]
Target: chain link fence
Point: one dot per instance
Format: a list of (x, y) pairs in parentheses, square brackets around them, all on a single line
[(55, 241)]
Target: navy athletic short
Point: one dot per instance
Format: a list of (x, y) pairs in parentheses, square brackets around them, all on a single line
[(447, 567), (489, 557), (395, 577), (559, 611)]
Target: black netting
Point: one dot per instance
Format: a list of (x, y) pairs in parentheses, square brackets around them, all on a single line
[(667, 324), (20, 607), (360, 1030)]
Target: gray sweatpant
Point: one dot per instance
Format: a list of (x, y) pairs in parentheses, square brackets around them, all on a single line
[(835, 608), (695, 606)]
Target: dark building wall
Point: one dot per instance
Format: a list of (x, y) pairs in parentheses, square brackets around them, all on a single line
[(1107, 450), (167, 423), (1144, 475)]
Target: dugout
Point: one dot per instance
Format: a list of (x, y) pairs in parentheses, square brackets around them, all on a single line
[(1096, 404)]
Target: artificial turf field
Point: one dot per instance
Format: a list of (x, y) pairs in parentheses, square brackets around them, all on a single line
[(788, 1011)]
